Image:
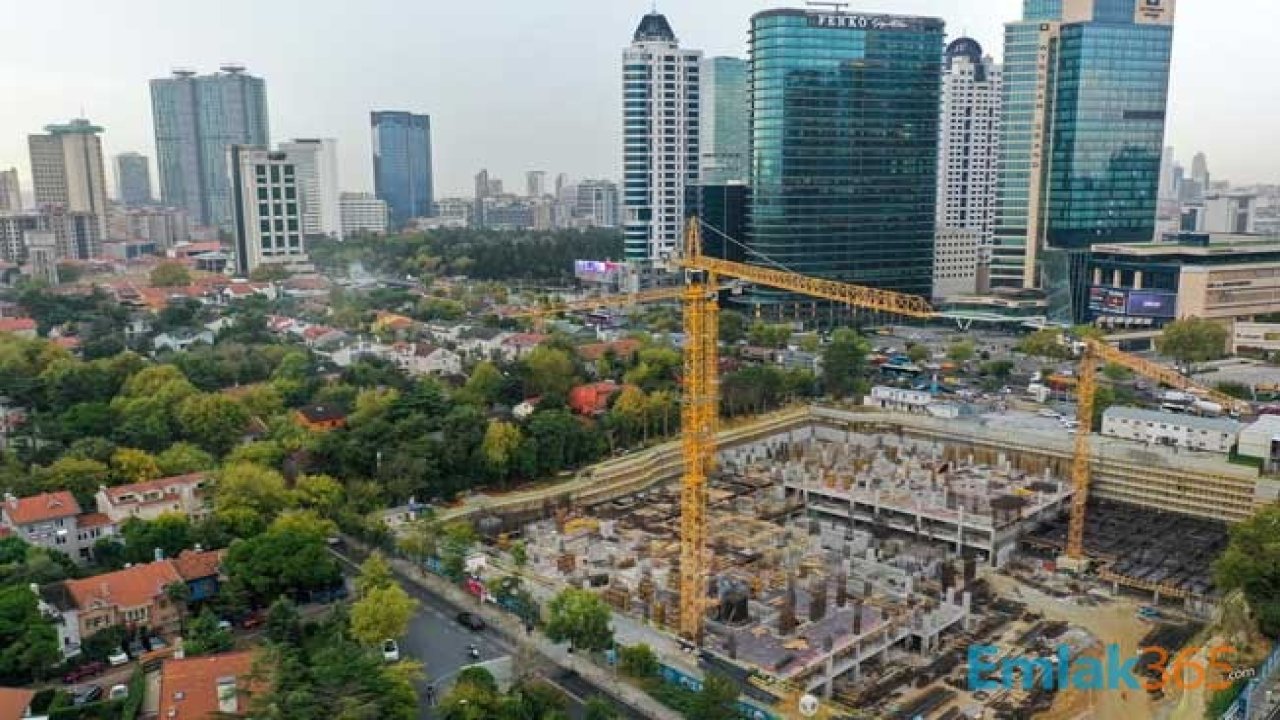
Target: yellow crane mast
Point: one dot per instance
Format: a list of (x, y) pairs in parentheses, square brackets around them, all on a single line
[(1096, 352), (700, 412)]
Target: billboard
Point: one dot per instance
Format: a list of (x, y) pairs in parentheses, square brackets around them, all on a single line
[(1152, 304), (598, 271)]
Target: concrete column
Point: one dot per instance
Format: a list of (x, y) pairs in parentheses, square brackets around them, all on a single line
[(1115, 277), (831, 677), (1137, 280), (1097, 276)]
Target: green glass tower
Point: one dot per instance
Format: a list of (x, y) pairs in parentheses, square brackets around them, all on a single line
[(1086, 86), (844, 144)]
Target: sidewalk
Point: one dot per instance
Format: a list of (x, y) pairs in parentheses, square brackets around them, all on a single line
[(509, 626)]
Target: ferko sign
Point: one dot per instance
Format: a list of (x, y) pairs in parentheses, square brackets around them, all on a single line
[(863, 22), (1152, 669)]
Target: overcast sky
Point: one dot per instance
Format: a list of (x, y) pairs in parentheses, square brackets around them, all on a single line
[(513, 85)]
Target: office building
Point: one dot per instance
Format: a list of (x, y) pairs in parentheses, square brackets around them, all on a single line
[(597, 202), (969, 139), (362, 214), (133, 180), (958, 262), (164, 227), (661, 105), (1082, 134), (67, 171), (845, 146), (1234, 213), (316, 163), (722, 209), (1200, 170), (402, 175), (197, 118), (10, 191), (42, 256), (535, 183), (267, 209), (725, 120)]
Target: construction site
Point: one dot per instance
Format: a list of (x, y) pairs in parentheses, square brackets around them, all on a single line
[(856, 555)]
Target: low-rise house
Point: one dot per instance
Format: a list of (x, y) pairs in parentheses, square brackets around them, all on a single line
[(15, 704), (593, 399), (480, 342), (620, 349), (1261, 441), (135, 596), (898, 399), (200, 688), (425, 359), (386, 322), (321, 418), (526, 409), (202, 571), (181, 341), (321, 336), (517, 346), (22, 327), (1172, 429), (182, 494), (47, 520)]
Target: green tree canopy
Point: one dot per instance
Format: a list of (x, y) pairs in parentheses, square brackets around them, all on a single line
[(1252, 563), (844, 363), (170, 274), (1193, 340), (580, 617)]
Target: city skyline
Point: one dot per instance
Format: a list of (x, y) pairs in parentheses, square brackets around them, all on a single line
[(553, 100)]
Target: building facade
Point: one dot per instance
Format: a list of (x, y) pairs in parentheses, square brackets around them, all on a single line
[(267, 209), (1082, 135), (969, 140), (10, 191), (166, 227), (958, 262), (402, 175), (597, 202), (133, 180), (67, 172), (362, 214), (661, 130), (844, 143), (316, 162), (1216, 435), (197, 118), (535, 183), (725, 120)]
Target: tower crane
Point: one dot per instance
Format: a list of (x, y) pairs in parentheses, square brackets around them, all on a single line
[(540, 314), (1096, 352), (700, 411)]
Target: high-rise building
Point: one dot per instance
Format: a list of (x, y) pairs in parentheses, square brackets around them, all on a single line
[(316, 162), (42, 256), (1086, 85), (725, 120), (1200, 170), (10, 191), (482, 193), (845, 146), (133, 180), (402, 164), (661, 103), (535, 183), (362, 214), (197, 117), (67, 171), (267, 209), (597, 202), (969, 139), (166, 227)]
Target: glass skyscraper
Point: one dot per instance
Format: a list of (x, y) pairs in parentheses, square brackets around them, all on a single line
[(197, 118), (1086, 87), (725, 121), (402, 174), (844, 146)]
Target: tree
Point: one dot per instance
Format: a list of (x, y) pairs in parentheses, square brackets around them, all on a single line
[(1193, 340), (501, 441), (262, 401), (733, 327), (281, 561), (170, 534), (205, 637), (456, 539), (320, 493), (844, 363), (28, 641), (1251, 563), (178, 593), (375, 573), (631, 409), (519, 555), (484, 385), (580, 617), (549, 371), (918, 353), (132, 465), (1116, 373), (1046, 344), (1236, 390), (284, 624), (638, 661), (717, 700), (81, 477), (246, 491), (215, 422), (998, 369), (597, 708), (182, 458), (384, 612), (170, 274), (961, 352)]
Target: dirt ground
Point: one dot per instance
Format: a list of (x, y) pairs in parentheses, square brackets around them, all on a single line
[(1113, 622)]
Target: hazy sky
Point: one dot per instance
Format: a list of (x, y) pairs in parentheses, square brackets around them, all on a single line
[(516, 85)]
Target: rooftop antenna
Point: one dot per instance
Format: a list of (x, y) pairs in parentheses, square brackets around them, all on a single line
[(836, 7)]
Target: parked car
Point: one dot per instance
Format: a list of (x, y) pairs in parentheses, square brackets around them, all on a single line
[(117, 692), (83, 672), (471, 621), (390, 651), (117, 658), (136, 648), (86, 694)]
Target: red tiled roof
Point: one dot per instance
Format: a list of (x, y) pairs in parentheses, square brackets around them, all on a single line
[(526, 339), (621, 348), (39, 508), (592, 399), (92, 520), (114, 494), (316, 332), (189, 687), (192, 565), (14, 703), (13, 325), (128, 588)]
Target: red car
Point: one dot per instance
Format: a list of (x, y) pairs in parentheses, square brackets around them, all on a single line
[(87, 670)]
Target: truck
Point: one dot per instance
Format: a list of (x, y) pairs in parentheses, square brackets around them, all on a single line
[(1204, 408), (1177, 397)]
